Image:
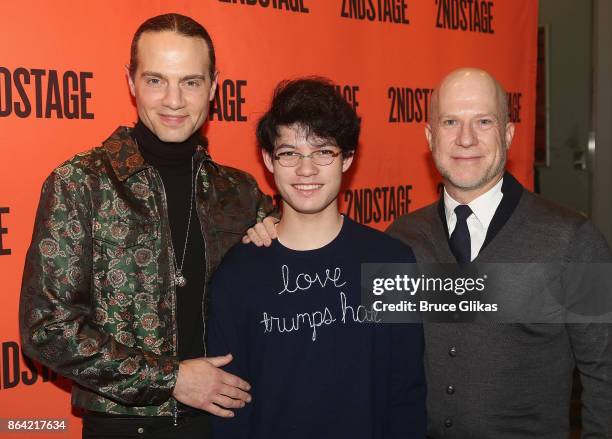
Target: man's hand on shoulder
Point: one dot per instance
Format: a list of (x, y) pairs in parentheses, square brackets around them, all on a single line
[(203, 385), (262, 233)]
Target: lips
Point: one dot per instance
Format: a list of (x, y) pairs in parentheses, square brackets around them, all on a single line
[(467, 158), (307, 189), (172, 120)]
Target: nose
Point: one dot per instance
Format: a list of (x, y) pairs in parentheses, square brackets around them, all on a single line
[(173, 99), (466, 136), (306, 167)]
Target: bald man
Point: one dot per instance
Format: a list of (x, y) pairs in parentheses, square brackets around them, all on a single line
[(504, 380)]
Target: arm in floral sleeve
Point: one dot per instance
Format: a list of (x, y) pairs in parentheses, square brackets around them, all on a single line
[(55, 313)]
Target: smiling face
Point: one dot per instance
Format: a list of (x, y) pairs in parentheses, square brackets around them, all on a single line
[(468, 134), (172, 84), (306, 188)]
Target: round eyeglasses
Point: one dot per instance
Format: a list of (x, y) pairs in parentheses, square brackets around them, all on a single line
[(320, 157)]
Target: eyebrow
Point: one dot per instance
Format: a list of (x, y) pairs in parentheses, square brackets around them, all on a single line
[(184, 78), (195, 76), (324, 145), (442, 116)]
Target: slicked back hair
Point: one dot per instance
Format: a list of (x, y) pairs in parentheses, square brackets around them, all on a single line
[(179, 24)]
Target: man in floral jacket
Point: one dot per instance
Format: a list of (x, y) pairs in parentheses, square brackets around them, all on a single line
[(126, 238)]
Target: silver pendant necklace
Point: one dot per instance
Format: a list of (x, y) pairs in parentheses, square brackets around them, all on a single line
[(179, 278)]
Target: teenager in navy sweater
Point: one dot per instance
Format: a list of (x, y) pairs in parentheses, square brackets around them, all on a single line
[(319, 364)]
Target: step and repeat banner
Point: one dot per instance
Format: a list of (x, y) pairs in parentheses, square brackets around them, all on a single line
[(63, 90)]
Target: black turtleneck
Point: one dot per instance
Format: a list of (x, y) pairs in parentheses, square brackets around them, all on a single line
[(173, 161)]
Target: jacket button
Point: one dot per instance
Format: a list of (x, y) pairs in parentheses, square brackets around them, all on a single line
[(448, 423), (452, 351), (140, 430), (450, 389)]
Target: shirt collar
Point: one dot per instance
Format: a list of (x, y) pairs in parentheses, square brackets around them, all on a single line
[(483, 207)]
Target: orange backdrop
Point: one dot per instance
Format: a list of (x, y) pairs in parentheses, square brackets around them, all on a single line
[(63, 90)]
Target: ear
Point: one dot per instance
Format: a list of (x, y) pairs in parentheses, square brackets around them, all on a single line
[(130, 81), (213, 86), (346, 162), (429, 136), (509, 134), (268, 160)]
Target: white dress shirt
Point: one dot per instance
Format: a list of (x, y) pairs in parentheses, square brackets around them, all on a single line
[(483, 209)]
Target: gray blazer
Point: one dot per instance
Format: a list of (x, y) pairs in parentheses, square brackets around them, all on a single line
[(498, 381)]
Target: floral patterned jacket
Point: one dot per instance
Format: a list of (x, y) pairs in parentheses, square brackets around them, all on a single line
[(98, 302)]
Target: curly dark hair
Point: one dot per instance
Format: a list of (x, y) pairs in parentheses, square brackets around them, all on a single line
[(314, 104), (180, 24)]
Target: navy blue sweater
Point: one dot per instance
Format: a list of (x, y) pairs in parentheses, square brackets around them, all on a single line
[(317, 366)]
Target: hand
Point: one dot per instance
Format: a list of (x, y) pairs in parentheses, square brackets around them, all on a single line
[(262, 233), (201, 384)]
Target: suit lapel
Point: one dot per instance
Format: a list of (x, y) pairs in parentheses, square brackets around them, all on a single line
[(442, 215), (512, 191)]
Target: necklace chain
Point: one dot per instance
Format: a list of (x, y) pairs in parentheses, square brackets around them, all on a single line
[(180, 279)]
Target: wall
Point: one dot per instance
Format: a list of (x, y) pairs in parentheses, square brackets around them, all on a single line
[(570, 64)]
